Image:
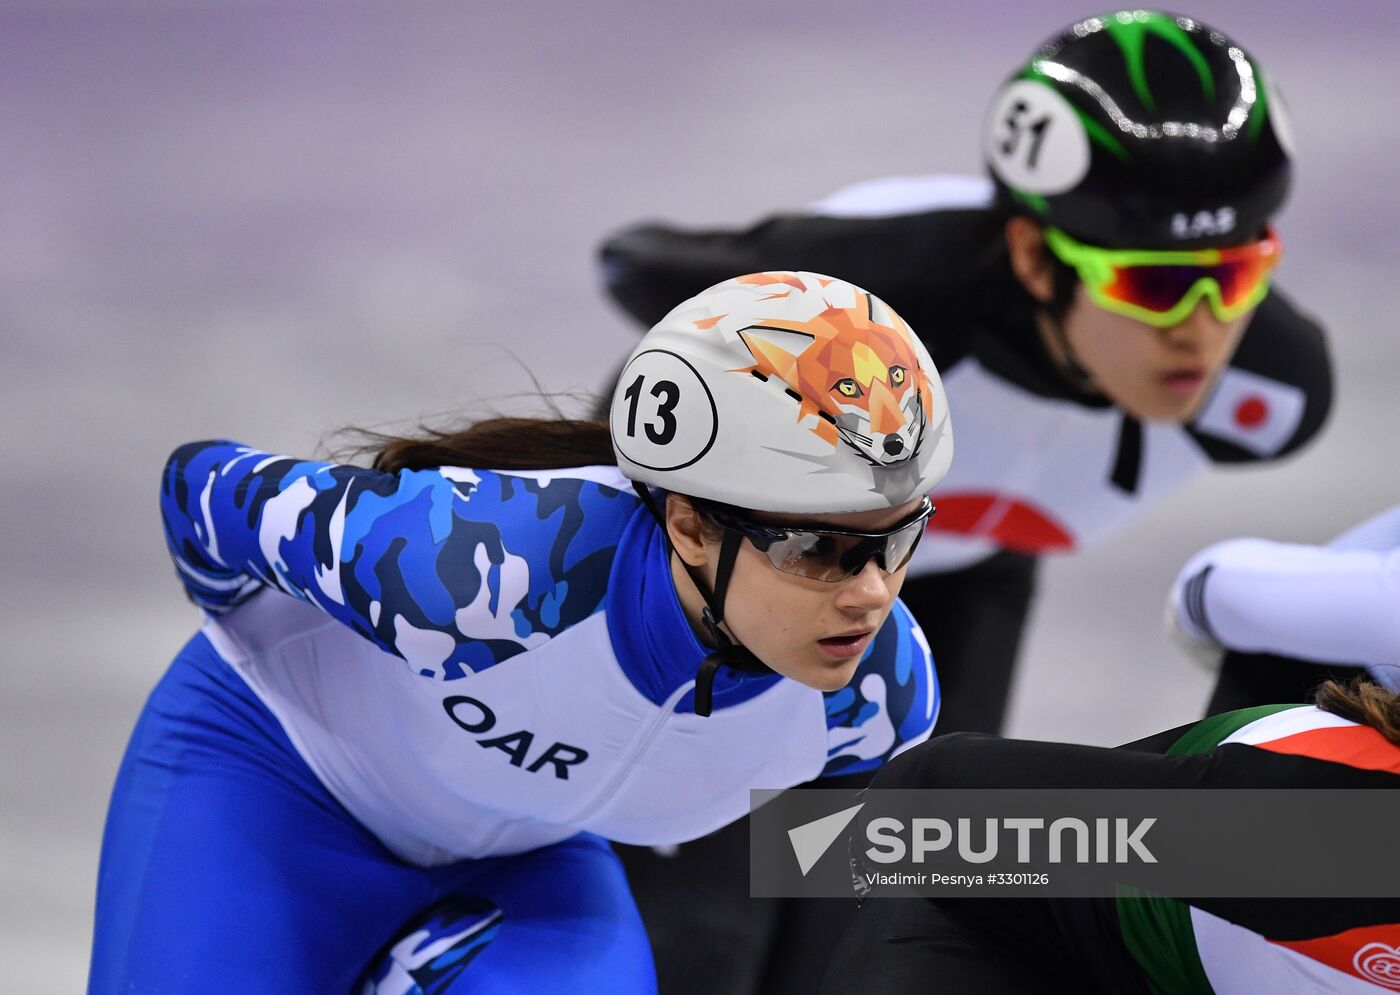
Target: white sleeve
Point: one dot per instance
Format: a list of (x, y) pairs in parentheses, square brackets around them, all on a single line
[(1380, 532), (1332, 605), (890, 196)]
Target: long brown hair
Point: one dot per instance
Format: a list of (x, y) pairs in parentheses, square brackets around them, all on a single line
[(501, 443), (1365, 702)]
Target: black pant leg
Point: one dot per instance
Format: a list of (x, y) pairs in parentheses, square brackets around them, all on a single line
[(707, 935), (986, 946), (807, 930), (1248, 679), (974, 619)]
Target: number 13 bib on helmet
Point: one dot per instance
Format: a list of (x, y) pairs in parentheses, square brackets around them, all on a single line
[(786, 392)]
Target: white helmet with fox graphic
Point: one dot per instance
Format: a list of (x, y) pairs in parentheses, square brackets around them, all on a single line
[(784, 392)]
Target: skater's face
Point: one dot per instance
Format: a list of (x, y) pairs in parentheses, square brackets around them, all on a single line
[(1155, 374), (811, 630), (1161, 369)]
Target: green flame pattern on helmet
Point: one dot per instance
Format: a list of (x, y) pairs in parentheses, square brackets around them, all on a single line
[(1174, 118), (1131, 37)]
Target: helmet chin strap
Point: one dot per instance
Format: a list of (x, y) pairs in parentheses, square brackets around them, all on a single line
[(727, 652), (1069, 363)]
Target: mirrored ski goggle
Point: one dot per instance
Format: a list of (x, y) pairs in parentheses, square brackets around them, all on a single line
[(1162, 287), (819, 551)]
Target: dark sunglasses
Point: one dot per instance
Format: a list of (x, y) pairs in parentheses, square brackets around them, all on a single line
[(819, 551)]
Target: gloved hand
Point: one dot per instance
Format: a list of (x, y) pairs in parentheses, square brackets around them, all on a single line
[(1184, 613)]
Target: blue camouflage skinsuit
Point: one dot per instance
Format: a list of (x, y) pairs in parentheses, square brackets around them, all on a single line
[(299, 811)]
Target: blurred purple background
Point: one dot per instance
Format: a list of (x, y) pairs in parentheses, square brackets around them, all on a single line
[(268, 220)]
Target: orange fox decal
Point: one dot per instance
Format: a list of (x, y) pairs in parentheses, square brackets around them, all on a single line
[(855, 369)]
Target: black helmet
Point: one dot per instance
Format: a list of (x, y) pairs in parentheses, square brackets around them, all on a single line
[(1140, 129)]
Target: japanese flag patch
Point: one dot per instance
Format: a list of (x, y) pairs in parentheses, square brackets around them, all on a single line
[(1253, 412)]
